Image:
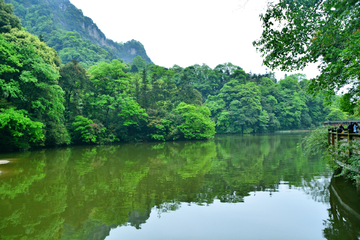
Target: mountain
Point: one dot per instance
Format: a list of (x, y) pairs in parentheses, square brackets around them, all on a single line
[(73, 35)]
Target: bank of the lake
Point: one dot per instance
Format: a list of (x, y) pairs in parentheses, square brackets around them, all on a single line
[(343, 151), (226, 188)]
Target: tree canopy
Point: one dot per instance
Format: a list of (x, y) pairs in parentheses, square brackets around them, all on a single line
[(28, 83), (7, 19), (45, 103), (296, 33)]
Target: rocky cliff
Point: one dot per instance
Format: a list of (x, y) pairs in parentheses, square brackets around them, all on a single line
[(45, 17)]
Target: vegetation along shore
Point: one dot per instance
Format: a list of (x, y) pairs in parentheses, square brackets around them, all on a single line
[(53, 98), (54, 91)]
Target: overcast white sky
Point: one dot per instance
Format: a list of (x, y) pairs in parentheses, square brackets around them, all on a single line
[(186, 32)]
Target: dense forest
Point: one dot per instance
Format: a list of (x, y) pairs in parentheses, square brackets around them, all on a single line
[(46, 103), (298, 33)]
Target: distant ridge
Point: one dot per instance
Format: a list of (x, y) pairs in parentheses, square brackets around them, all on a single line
[(73, 35)]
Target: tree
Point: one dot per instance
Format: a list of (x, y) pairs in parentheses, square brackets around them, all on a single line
[(296, 33), (336, 115), (263, 121), (27, 82), (111, 102), (186, 92), (110, 82), (237, 107), (18, 131), (291, 109), (75, 82), (144, 90), (7, 19), (162, 90), (139, 63), (85, 130), (159, 128), (197, 123), (346, 103), (206, 80), (23, 38)]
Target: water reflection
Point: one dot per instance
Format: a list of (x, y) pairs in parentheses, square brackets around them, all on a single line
[(344, 214), (84, 192)]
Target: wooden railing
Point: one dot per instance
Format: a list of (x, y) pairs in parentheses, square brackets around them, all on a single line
[(334, 137)]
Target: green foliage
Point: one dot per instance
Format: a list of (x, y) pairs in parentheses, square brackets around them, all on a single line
[(28, 83), (139, 62), (147, 106), (71, 46), (316, 142), (110, 99), (209, 81), (251, 103), (7, 19), (110, 83), (73, 35), (75, 82), (23, 39), (114, 102), (186, 91), (18, 131), (241, 102), (336, 115), (346, 155), (296, 33), (86, 131), (144, 98), (98, 185), (346, 104), (131, 112), (158, 128), (197, 123), (263, 121), (350, 164)]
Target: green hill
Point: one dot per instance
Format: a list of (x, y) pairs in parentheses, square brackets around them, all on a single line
[(73, 35)]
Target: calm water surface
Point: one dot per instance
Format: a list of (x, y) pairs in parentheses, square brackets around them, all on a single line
[(233, 187)]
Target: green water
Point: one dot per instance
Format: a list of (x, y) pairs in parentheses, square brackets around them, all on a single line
[(232, 187)]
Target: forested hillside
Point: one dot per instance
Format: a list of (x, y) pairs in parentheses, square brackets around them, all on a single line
[(247, 103), (71, 34), (46, 103)]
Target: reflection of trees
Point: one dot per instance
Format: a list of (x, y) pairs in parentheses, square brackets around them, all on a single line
[(254, 163), (176, 174), (34, 208), (81, 192), (286, 162), (103, 181), (90, 230), (344, 214), (137, 218), (236, 170), (75, 192), (317, 188)]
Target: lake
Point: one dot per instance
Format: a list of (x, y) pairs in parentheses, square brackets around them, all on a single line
[(232, 187)]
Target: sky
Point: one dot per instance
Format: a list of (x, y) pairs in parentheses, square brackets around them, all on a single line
[(187, 32)]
